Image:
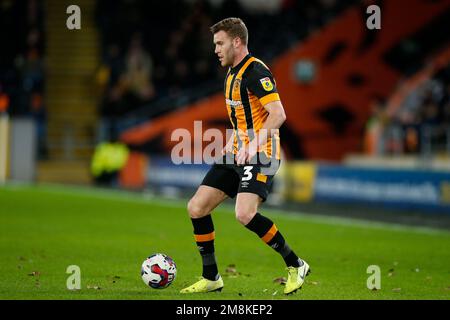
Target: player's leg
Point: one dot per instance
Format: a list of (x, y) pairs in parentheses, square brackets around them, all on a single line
[(217, 185), (253, 190), (247, 213), (205, 200)]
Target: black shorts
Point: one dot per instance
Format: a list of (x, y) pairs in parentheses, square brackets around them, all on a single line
[(233, 179)]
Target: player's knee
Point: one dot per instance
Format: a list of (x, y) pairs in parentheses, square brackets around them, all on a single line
[(244, 215), (195, 209)]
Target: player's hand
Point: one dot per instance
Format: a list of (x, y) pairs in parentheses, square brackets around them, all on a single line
[(252, 150), (246, 153), (241, 156), (227, 149)]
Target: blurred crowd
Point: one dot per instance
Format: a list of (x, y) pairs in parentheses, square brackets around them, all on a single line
[(162, 50), (22, 77), (421, 121), (158, 55)]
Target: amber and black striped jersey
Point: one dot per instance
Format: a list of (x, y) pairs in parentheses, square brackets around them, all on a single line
[(248, 87)]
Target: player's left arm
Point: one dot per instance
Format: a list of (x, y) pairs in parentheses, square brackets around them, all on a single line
[(274, 120), (262, 84)]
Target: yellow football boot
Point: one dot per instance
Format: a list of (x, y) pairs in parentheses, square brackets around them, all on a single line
[(296, 277), (204, 285)]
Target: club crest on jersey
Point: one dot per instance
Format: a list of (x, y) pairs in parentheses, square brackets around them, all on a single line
[(237, 84), (266, 83)]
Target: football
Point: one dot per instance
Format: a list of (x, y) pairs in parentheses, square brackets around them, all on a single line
[(158, 271)]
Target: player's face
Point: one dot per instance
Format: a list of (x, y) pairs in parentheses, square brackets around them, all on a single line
[(224, 48)]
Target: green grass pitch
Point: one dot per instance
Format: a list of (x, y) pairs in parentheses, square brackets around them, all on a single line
[(44, 229)]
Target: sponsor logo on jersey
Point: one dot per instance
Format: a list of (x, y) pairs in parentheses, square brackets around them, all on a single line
[(234, 103)]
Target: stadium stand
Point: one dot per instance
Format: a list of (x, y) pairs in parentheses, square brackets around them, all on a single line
[(416, 117), (22, 76), (327, 108), (184, 70)]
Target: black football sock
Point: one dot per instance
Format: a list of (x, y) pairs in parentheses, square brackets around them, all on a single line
[(268, 232), (204, 237)]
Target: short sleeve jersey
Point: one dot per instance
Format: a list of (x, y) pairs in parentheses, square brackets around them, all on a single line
[(248, 87)]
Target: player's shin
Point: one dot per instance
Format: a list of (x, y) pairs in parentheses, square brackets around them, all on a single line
[(269, 233), (204, 237)]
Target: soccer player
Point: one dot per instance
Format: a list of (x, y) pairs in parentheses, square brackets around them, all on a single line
[(256, 114)]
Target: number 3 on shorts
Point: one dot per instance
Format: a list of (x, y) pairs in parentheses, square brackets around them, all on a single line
[(247, 173)]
